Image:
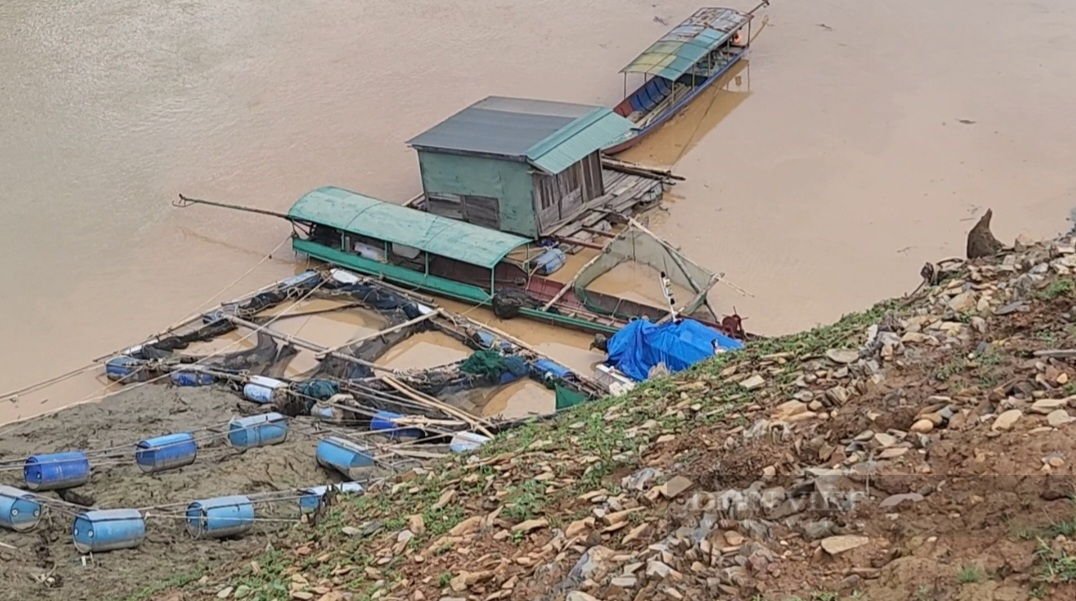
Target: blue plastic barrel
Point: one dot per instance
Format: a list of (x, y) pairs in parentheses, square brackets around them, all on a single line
[(508, 377), (166, 452), (544, 368), (192, 378), (108, 530), (343, 455), (54, 471), (466, 441), (311, 497), (258, 431), (19, 511), (124, 368), (384, 421), (491, 341), (220, 517)]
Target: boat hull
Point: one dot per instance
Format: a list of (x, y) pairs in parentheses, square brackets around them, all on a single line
[(568, 312), (640, 134)]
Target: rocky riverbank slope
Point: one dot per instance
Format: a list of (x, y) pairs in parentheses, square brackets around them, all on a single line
[(921, 450)]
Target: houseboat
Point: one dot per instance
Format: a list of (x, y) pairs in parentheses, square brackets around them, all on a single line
[(678, 67), (503, 181)]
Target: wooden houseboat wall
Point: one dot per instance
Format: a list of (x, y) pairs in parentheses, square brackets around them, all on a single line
[(517, 165)]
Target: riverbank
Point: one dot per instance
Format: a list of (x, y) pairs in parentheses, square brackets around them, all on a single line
[(43, 564), (922, 447)]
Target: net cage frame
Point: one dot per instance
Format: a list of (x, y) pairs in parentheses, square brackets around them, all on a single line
[(637, 244)]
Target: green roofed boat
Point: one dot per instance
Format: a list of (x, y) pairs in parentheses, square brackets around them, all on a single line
[(473, 264), (496, 177)]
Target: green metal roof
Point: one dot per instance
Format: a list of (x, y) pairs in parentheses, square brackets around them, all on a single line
[(365, 216), (689, 42), (549, 135), (578, 139)]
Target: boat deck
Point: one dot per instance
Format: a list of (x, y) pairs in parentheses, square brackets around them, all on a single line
[(626, 195)]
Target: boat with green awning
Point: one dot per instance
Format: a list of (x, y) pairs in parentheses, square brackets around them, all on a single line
[(473, 264)]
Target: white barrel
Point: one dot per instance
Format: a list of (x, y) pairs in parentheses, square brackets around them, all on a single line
[(259, 389), (463, 442)]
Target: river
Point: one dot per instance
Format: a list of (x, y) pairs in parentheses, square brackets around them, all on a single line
[(863, 139)]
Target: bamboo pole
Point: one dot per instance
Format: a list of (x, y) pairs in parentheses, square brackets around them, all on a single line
[(476, 423), (310, 346), (397, 327), (193, 317), (575, 277)]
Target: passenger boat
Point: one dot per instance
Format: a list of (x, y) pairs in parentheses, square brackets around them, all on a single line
[(485, 267), (679, 66)]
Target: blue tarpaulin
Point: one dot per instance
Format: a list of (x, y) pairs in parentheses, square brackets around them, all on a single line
[(641, 345)]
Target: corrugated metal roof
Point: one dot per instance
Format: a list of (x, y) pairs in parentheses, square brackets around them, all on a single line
[(582, 137), (551, 135), (687, 43), (366, 216)]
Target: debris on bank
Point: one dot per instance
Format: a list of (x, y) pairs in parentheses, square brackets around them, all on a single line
[(921, 449)]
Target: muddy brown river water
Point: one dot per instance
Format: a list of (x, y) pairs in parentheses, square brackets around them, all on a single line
[(861, 140)]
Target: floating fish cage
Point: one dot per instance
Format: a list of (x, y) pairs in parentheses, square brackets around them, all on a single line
[(108, 530), (220, 517)]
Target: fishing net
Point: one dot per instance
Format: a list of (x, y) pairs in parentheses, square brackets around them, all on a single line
[(637, 245), (368, 351), (379, 299), (566, 397), (492, 365)]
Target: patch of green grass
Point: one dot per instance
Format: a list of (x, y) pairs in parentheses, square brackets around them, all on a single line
[(440, 521), (950, 368), (444, 579), (970, 575), (594, 435), (1055, 567), (524, 501), (1047, 337), (1057, 289)]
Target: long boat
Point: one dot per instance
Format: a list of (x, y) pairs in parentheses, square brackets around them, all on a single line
[(485, 267), (678, 67)]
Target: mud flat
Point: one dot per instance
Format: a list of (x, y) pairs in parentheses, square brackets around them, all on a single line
[(168, 551)]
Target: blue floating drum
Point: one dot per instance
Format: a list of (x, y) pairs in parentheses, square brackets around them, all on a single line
[(166, 452), (220, 517), (258, 431), (343, 455), (54, 471), (19, 510), (310, 498), (108, 530)]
